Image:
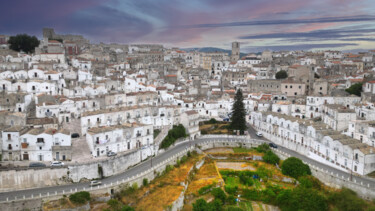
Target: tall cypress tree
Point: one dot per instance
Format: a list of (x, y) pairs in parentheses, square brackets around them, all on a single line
[(238, 113)]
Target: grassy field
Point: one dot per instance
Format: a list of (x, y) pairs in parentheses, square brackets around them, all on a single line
[(163, 190)]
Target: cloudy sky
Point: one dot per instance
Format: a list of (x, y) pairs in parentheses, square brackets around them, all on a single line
[(257, 24)]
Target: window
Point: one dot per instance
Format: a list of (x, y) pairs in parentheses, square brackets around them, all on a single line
[(291, 86), (286, 87), (355, 168), (40, 140), (9, 136)]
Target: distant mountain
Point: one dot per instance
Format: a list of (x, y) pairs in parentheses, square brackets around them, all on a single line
[(211, 49)]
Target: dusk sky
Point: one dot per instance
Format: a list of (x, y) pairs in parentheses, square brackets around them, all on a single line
[(257, 24)]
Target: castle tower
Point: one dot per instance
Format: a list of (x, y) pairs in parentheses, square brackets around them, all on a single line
[(235, 52)]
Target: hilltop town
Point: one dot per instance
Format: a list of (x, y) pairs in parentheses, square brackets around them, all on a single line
[(73, 101)]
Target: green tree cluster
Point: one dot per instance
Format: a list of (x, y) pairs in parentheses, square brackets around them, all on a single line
[(175, 133), (295, 168), (269, 156), (238, 119), (355, 89), (23, 42), (80, 197), (301, 199), (281, 74), (116, 205), (347, 200)]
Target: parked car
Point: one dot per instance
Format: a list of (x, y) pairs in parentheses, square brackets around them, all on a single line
[(110, 154), (95, 183), (259, 134), (75, 135), (272, 145), (57, 163), (35, 165)]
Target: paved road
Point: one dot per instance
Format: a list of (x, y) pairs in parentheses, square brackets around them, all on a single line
[(359, 179), (156, 160)]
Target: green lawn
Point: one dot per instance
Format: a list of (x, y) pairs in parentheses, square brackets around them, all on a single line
[(232, 181)]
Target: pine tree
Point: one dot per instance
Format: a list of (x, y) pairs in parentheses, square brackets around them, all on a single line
[(238, 113)]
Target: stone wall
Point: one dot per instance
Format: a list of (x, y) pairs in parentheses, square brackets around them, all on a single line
[(336, 180), (31, 178), (109, 167)]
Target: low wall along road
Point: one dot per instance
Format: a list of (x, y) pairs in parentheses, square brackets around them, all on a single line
[(117, 164)]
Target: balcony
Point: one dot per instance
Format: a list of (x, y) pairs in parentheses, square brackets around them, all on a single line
[(138, 134)]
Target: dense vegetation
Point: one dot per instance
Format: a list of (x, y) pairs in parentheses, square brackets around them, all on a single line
[(269, 156), (23, 42), (281, 74), (116, 205), (80, 197), (238, 119), (156, 133), (295, 168), (175, 133), (355, 89)]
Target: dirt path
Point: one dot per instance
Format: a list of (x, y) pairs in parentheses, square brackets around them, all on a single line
[(238, 166)]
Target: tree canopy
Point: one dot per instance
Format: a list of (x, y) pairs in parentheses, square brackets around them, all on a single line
[(175, 133), (301, 199), (238, 113), (281, 74), (355, 89), (294, 167), (23, 42)]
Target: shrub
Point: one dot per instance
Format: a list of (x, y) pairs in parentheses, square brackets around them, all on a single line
[(294, 167), (175, 133), (263, 172), (135, 186), (218, 193), (127, 190), (231, 200), (301, 199), (145, 182), (127, 208), (263, 148), (230, 190), (271, 158), (269, 196), (246, 177), (205, 189), (348, 200), (200, 205), (114, 204), (212, 121), (80, 197), (281, 74), (252, 194)]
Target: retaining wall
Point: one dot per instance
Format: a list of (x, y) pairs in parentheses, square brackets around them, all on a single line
[(32, 178), (336, 180)]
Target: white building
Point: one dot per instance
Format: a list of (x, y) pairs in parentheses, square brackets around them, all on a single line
[(119, 138)]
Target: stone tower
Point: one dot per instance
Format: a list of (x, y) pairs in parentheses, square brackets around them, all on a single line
[(235, 52)]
